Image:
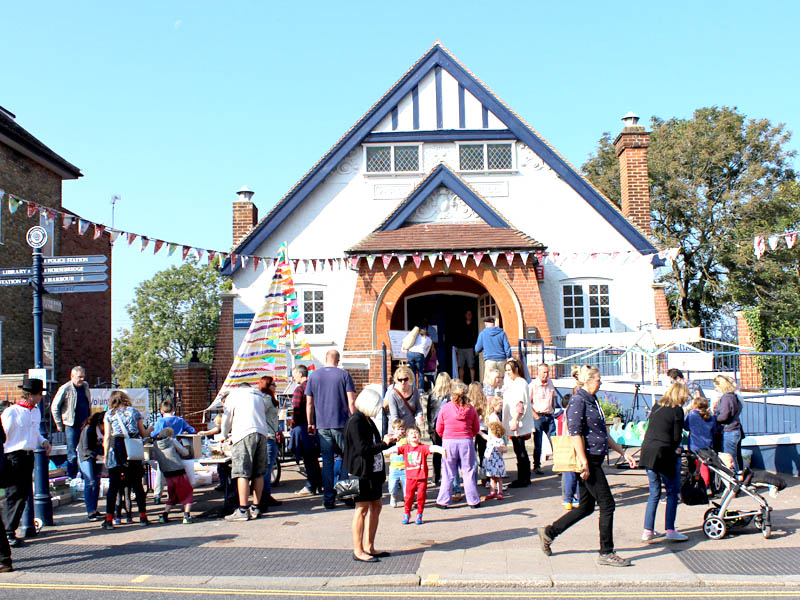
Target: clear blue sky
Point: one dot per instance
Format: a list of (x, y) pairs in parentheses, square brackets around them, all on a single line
[(175, 105)]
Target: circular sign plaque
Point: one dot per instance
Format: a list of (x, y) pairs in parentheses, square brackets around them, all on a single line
[(36, 237)]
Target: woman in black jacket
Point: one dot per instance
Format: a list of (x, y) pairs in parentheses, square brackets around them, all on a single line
[(363, 458), (90, 447), (661, 451)]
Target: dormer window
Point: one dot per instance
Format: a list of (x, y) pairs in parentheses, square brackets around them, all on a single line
[(486, 157), (392, 159)]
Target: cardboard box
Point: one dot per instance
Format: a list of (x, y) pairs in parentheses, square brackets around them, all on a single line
[(193, 442)]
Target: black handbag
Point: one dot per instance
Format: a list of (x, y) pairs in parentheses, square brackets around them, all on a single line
[(693, 491), (347, 489)]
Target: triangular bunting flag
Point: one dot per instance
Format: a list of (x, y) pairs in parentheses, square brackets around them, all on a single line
[(199, 254), (13, 204), (234, 260), (131, 237), (244, 258), (463, 257), (524, 257), (255, 262), (432, 259), (211, 255), (185, 251), (51, 215), (82, 226), (759, 247), (354, 262), (509, 258), (401, 258), (791, 239), (114, 235), (171, 248), (157, 244), (773, 241), (66, 220), (144, 241), (98, 230), (493, 256), (370, 260), (387, 258), (477, 257), (417, 260), (32, 209), (448, 258)]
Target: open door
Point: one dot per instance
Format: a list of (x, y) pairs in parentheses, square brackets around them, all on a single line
[(487, 307)]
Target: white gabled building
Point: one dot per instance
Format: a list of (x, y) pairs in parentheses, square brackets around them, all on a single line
[(440, 166)]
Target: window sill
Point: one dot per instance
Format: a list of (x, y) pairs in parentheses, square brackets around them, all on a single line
[(494, 172), (388, 174)]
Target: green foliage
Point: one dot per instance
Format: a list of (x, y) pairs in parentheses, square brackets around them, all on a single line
[(717, 180), (610, 409), (177, 309)]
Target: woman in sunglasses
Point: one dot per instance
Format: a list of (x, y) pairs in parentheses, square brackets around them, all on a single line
[(403, 398)]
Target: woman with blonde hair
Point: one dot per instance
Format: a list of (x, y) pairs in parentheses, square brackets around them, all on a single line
[(478, 400), (403, 398), (727, 412), (457, 425), (121, 414), (437, 398), (661, 455), (586, 424)]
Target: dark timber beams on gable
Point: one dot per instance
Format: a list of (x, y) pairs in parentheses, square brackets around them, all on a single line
[(436, 56)]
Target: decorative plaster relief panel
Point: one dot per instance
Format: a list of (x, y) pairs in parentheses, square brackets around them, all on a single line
[(443, 206), (492, 189), (391, 191), (528, 159)]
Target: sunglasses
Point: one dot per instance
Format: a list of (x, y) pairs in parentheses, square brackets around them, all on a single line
[(402, 379)]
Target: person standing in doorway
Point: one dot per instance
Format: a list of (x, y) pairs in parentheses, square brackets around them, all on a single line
[(21, 425), (543, 394), (330, 400), (465, 339), (493, 342), (72, 405)]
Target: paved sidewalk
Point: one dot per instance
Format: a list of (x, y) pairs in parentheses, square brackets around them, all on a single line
[(300, 544)]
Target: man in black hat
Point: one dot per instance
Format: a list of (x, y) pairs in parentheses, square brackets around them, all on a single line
[(21, 425)]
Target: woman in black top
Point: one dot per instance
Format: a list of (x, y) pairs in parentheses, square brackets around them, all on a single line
[(661, 451), (90, 447), (363, 458), (587, 429), (727, 411)]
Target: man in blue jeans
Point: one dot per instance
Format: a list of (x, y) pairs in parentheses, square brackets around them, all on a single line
[(543, 394), (330, 400), (71, 406)]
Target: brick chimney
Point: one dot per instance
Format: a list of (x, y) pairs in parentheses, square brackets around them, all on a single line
[(631, 145), (245, 214)]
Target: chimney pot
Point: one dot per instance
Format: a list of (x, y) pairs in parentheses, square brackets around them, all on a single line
[(630, 119)]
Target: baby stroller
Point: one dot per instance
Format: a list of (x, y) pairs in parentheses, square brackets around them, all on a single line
[(720, 518)]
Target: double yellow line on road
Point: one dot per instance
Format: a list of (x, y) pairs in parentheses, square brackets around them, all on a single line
[(438, 593)]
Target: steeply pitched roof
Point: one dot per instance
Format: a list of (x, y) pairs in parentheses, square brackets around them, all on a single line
[(16, 136), (438, 56)]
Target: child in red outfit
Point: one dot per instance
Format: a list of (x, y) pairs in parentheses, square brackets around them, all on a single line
[(415, 455)]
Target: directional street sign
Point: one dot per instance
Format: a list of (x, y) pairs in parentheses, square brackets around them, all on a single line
[(72, 289), (75, 260), (49, 271), (16, 281), (70, 279)]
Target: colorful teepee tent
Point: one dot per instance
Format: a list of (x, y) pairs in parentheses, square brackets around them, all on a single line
[(274, 343)]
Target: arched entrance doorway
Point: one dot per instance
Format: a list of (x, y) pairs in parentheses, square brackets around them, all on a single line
[(440, 303)]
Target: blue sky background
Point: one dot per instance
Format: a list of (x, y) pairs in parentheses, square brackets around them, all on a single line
[(176, 105)]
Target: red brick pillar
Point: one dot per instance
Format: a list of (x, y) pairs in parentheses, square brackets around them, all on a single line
[(631, 146), (191, 381), (663, 320), (749, 373), (223, 348), (366, 367)]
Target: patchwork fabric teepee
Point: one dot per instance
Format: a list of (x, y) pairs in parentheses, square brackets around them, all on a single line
[(275, 341)]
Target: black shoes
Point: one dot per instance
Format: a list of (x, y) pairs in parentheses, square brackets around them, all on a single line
[(519, 484), (545, 541), (538, 471)]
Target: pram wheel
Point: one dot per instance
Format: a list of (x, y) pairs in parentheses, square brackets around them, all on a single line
[(714, 528), (766, 531)]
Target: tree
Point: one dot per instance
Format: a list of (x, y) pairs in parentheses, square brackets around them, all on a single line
[(715, 179), (171, 313)]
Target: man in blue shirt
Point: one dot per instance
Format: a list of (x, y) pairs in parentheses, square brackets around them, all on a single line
[(493, 342), (71, 406), (330, 400), (179, 426)]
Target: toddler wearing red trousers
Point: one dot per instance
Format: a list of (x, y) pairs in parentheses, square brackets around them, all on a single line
[(415, 456)]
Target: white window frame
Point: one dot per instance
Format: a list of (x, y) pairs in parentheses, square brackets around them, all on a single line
[(584, 285), (392, 146), (301, 290), (50, 368), (486, 156)]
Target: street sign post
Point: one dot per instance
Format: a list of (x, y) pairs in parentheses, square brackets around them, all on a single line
[(91, 259), (75, 289), (28, 271)]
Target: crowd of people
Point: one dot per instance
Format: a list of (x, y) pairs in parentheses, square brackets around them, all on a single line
[(470, 428)]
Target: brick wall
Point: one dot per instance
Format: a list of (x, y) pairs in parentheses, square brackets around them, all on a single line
[(223, 347), (9, 390), (749, 373), (86, 319), (191, 381), (663, 320), (631, 145), (245, 217), (27, 179)]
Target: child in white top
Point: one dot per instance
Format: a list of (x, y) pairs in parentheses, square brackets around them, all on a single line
[(493, 461)]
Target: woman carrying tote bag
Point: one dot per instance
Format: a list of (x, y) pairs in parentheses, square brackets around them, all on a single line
[(123, 425)]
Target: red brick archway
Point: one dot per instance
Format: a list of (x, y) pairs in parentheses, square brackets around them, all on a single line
[(514, 289)]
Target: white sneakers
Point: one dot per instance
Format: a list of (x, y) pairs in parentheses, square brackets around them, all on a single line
[(670, 536), (676, 536), (651, 536)]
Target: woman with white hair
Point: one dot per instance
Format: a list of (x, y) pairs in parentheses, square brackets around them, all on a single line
[(363, 458)]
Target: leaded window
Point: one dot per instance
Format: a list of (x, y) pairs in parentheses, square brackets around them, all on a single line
[(314, 311), (573, 307), (393, 159), (599, 315), (486, 157), (379, 159), (471, 158), (587, 306)]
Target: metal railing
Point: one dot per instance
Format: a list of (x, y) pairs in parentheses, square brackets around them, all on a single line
[(761, 417)]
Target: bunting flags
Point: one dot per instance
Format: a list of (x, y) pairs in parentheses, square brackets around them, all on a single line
[(387, 258), (98, 230), (448, 258), (185, 251), (82, 226), (32, 209), (114, 234), (144, 240), (131, 238), (760, 243), (157, 246), (67, 221), (171, 249)]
